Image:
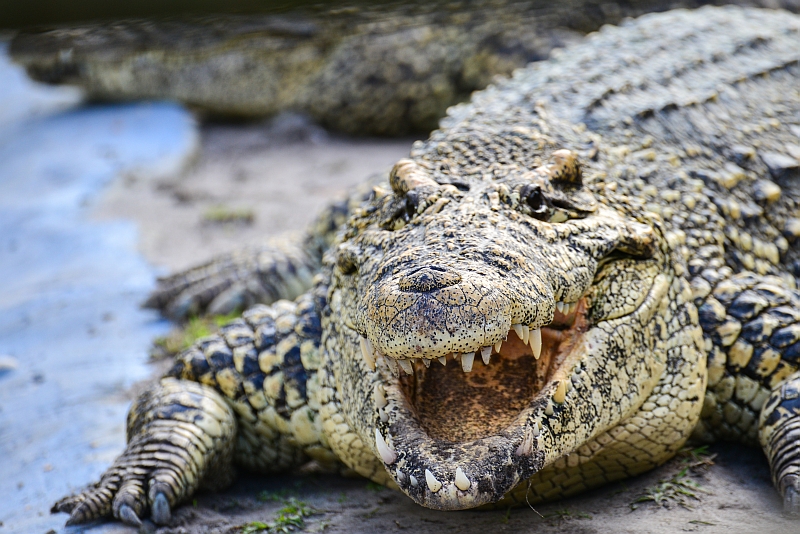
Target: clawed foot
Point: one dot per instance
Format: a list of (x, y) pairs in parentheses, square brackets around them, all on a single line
[(129, 504), (235, 281), (181, 431)]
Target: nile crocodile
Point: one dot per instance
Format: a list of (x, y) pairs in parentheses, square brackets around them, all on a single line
[(585, 266), (387, 67)]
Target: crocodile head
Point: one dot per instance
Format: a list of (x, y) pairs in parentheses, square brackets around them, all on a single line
[(489, 327)]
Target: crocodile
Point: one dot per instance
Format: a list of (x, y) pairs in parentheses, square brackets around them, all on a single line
[(387, 68), (584, 267)]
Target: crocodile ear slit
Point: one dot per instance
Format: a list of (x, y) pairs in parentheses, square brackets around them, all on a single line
[(637, 240)]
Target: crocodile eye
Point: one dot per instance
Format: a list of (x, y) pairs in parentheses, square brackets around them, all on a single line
[(412, 204), (533, 196), (555, 192)]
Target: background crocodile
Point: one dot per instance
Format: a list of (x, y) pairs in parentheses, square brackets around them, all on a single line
[(388, 68), (650, 295)]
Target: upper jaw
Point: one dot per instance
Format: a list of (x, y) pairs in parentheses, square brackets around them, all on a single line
[(400, 354), (460, 319)]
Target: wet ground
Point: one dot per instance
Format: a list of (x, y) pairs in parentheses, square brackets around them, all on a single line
[(95, 201), (72, 337)]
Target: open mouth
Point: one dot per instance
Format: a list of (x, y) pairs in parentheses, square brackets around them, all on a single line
[(463, 397), (479, 394)]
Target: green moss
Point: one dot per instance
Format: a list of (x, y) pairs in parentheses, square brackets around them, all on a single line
[(184, 336), (227, 215)]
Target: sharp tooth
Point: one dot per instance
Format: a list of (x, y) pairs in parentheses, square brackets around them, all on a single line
[(379, 395), (526, 446), (401, 476), (572, 307), (426, 362), (388, 455), (498, 346), (559, 307), (406, 366), (462, 482), (366, 351), (518, 329), (384, 415), (443, 360), (433, 484), (536, 342), (466, 361), (561, 392), (486, 354), (392, 363), (526, 334), (413, 480)]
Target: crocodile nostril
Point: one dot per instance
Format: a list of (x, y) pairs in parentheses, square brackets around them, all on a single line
[(428, 278)]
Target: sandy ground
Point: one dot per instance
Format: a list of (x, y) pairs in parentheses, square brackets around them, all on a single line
[(276, 175), (282, 173)]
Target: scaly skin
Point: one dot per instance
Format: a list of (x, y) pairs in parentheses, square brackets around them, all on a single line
[(386, 68), (634, 202)]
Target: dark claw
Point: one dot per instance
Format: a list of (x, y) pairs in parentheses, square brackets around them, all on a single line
[(161, 512), (128, 516), (791, 502)]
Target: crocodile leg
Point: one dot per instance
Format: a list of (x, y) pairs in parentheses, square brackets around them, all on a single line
[(178, 433), (236, 281), (245, 396), (282, 269), (780, 436), (752, 332)]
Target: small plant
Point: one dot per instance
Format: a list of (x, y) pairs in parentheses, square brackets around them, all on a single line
[(253, 527), (292, 516), (184, 336), (226, 215), (372, 486), (289, 518), (680, 488), (276, 496)]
